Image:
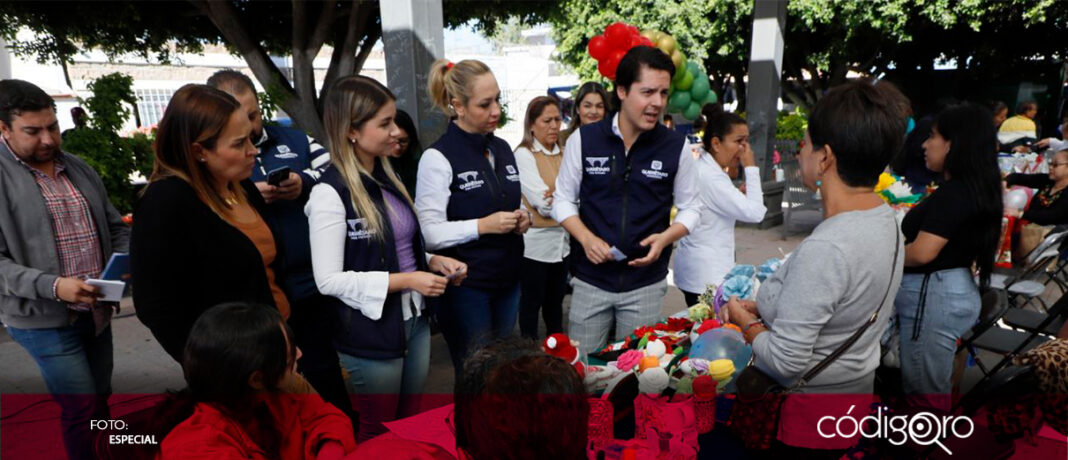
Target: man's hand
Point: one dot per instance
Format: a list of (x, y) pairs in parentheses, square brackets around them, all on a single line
[(655, 243), (597, 251), (548, 196), (74, 290), (290, 188)]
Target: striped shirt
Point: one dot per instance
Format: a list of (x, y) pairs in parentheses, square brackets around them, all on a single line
[(77, 242)]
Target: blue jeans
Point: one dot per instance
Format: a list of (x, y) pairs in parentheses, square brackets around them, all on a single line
[(389, 389), (76, 366), (470, 318), (929, 338)]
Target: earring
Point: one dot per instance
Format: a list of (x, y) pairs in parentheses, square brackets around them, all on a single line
[(202, 159), (352, 140), (819, 183)]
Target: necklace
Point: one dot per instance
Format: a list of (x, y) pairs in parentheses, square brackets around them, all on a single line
[(230, 200), (1047, 197)]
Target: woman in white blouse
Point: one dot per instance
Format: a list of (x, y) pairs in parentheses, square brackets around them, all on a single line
[(368, 256), (706, 255), (546, 246)]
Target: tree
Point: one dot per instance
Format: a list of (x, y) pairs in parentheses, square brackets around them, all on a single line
[(712, 32), (99, 144), (826, 39), (256, 30)]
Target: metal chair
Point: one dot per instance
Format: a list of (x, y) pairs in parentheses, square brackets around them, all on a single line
[(797, 200)]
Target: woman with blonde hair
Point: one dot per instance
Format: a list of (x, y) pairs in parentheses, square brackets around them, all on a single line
[(200, 239), (468, 199), (546, 245), (368, 255)]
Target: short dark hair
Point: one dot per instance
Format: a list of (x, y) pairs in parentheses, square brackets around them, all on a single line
[(630, 67), (18, 96), (1025, 106), (512, 397), (864, 122), (718, 124), (232, 81)]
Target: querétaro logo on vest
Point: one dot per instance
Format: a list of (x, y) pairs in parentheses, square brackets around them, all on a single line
[(358, 229), (512, 174), (655, 170), (597, 166), (469, 180), (284, 152)]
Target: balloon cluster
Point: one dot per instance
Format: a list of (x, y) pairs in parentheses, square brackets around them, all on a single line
[(690, 88)]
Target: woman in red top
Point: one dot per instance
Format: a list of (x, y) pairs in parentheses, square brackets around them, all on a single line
[(238, 362)]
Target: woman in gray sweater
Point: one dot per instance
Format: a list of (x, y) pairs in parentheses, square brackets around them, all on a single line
[(837, 277)]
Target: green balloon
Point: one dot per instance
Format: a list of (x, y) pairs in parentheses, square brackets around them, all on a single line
[(700, 88), (694, 68), (679, 100), (710, 99), (677, 78), (692, 111), (687, 81)]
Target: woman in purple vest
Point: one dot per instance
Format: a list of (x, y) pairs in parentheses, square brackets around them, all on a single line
[(368, 255), (468, 198)]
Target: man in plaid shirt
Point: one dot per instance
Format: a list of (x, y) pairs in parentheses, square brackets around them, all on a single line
[(56, 229)]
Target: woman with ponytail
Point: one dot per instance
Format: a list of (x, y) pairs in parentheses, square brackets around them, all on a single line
[(707, 253), (468, 198), (954, 228), (368, 255)]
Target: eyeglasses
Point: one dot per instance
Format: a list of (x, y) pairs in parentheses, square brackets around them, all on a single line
[(1054, 164)]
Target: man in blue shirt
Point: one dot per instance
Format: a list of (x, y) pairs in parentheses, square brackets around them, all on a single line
[(282, 147)]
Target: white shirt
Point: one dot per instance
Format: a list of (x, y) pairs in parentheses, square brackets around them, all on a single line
[(432, 201), (546, 244), (365, 292), (706, 255), (568, 183)]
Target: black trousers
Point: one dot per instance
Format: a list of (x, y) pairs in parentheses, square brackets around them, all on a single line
[(312, 321), (691, 298), (542, 287)]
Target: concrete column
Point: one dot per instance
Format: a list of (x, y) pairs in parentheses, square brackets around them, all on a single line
[(413, 37), (765, 69)]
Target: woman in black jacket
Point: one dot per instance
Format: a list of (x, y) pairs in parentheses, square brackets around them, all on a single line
[(1048, 207), (199, 239)]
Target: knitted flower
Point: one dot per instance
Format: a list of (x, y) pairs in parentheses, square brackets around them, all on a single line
[(629, 360)]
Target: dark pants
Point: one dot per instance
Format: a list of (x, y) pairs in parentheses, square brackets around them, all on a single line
[(470, 318), (691, 298), (543, 286), (76, 365), (312, 321)]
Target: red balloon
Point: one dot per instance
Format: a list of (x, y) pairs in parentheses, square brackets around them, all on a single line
[(602, 67), (648, 42), (634, 30), (636, 40), (598, 47), (617, 56), (617, 34)]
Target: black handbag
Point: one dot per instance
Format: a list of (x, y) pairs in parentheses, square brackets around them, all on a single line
[(758, 404)]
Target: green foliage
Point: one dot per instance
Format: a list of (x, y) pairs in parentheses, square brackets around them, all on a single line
[(791, 125), (114, 157)]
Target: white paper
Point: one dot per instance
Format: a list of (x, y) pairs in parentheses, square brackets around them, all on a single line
[(110, 290)]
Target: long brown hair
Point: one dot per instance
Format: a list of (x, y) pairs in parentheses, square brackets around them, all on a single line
[(196, 114), (535, 109), (351, 102)]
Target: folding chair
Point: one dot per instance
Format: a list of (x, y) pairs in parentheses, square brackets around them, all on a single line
[(1006, 342), (1024, 285)]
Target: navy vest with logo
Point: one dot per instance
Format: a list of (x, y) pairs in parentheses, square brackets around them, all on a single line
[(479, 189), (356, 334), (624, 198), (288, 147)]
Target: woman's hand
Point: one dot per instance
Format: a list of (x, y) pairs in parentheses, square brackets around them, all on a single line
[(428, 284), (454, 270), (523, 221), (498, 222), (739, 312), (747, 158)]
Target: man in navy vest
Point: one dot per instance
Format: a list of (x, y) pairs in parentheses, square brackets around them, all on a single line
[(311, 318), (619, 179)]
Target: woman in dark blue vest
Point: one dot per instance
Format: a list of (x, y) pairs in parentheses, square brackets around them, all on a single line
[(468, 197), (368, 255)]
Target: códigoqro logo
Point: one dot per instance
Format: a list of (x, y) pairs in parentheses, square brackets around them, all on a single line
[(922, 428)]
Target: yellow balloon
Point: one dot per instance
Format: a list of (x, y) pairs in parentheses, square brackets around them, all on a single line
[(679, 60), (666, 43), (651, 34)]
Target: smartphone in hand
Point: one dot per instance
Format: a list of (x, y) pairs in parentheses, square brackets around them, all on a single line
[(455, 274), (276, 176)]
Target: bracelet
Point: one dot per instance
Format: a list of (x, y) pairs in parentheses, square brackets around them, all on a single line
[(745, 330), (55, 290)]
